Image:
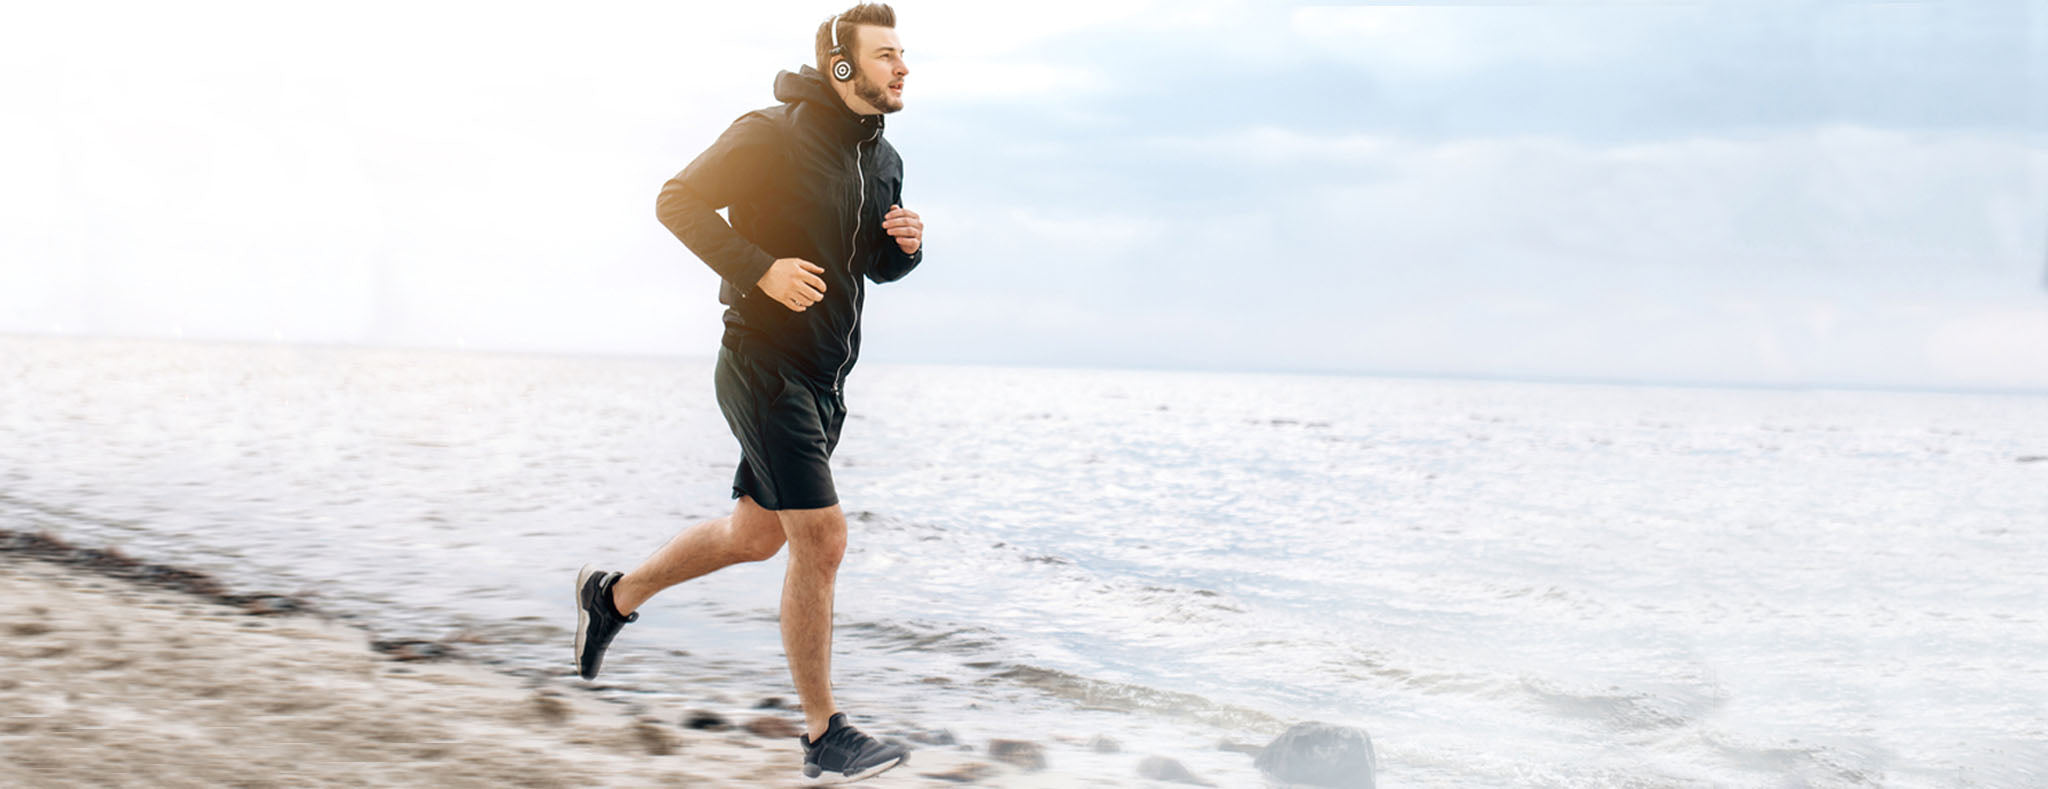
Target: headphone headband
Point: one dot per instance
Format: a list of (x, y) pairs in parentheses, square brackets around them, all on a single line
[(842, 70)]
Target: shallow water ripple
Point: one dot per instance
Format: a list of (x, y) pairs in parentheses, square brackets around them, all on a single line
[(1507, 583)]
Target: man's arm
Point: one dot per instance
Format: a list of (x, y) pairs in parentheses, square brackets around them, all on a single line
[(905, 231), (724, 174)]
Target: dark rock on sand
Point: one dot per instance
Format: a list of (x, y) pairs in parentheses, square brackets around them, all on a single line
[(772, 703), (1160, 768), (1023, 753), (934, 737), (410, 650), (1104, 744), (550, 709), (652, 737), (774, 728), (1321, 754), (706, 720), (114, 563), (271, 605)]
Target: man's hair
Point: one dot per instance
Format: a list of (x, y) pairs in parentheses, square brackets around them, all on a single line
[(878, 14)]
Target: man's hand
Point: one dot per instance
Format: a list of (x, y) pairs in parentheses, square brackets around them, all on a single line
[(794, 282), (908, 229)]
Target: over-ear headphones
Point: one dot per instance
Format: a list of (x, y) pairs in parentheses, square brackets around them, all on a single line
[(842, 70)]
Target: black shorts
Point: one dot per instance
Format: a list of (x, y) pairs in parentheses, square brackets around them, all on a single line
[(787, 427)]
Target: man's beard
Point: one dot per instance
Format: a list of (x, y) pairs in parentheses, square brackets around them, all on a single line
[(872, 92)]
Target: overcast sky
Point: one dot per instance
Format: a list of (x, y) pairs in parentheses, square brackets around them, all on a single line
[(1819, 193)]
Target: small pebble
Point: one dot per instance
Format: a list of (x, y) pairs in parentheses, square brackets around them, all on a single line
[(657, 741), (1023, 753), (705, 720), (551, 709), (934, 737), (774, 728)]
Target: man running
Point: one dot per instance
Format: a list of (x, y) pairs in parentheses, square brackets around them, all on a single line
[(814, 195)]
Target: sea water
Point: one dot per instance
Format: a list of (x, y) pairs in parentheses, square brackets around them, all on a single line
[(1505, 583)]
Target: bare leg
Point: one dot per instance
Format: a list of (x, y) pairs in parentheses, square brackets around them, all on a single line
[(749, 534), (817, 541)]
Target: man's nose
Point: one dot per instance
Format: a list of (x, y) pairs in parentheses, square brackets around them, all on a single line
[(902, 69)]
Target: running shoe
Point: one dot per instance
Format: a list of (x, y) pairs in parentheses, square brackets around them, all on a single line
[(597, 619), (843, 749)]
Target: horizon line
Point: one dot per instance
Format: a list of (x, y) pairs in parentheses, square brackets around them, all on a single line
[(1333, 372)]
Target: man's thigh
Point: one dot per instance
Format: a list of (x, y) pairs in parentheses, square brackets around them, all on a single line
[(749, 517)]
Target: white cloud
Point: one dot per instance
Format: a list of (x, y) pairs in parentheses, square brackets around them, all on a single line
[(1006, 31), (1279, 144), (1099, 232), (986, 79), (1035, 230), (1885, 207), (1456, 39)]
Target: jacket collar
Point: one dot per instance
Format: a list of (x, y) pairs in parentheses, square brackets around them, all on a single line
[(808, 85)]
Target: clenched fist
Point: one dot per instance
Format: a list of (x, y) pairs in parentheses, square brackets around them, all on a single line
[(905, 225), (794, 282)]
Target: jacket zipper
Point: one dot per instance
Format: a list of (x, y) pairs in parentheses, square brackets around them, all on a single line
[(852, 249)]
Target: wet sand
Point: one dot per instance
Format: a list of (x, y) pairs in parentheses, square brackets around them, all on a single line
[(111, 681)]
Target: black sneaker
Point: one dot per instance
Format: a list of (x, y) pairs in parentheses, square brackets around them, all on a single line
[(597, 619), (845, 750)]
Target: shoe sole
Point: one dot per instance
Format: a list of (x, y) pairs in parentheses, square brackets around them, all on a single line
[(582, 615), (829, 779)]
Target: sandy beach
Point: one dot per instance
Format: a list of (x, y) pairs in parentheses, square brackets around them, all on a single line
[(106, 681)]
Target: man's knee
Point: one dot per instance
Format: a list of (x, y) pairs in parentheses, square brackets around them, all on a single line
[(816, 535)]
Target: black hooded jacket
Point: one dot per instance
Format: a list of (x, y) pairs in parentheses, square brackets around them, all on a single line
[(806, 179)]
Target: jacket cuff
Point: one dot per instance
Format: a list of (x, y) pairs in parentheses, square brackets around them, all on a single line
[(747, 276)]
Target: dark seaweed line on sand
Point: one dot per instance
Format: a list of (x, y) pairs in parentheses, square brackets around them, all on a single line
[(113, 563)]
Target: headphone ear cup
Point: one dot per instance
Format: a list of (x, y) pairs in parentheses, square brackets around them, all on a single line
[(842, 71)]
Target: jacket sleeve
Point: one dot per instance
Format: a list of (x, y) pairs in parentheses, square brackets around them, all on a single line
[(894, 264), (730, 171)]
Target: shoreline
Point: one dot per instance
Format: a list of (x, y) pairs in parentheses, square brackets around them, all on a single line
[(120, 672)]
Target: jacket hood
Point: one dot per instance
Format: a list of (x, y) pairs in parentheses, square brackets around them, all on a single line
[(807, 86)]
